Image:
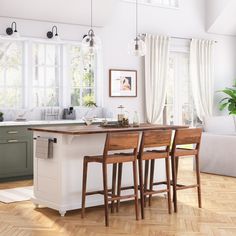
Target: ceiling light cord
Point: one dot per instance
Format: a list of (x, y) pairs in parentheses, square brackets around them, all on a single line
[(91, 14), (136, 18)]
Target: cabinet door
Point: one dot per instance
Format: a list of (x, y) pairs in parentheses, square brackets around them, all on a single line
[(15, 157)]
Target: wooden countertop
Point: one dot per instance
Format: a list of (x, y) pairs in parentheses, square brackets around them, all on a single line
[(96, 129)]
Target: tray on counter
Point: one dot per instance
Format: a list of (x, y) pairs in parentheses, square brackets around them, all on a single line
[(114, 125)]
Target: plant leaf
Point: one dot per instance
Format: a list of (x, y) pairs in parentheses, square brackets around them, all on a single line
[(223, 106)]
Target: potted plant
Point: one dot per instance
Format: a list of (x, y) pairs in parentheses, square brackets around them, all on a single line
[(229, 102), (1, 116)]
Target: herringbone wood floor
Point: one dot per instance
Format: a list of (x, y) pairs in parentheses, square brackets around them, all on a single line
[(217, 218)]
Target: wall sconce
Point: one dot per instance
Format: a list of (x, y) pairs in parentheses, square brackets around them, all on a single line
[(50, 34), (13, 30)]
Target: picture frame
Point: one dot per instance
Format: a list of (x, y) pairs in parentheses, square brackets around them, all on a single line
[(122, 83)]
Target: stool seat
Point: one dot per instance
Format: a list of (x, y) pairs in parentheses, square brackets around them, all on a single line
[(154, 154), (185, 152), (112, 158)]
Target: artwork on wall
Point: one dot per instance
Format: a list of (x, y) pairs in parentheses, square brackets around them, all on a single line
[(123, 83)]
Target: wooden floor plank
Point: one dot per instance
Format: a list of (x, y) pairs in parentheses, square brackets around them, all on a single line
[(216, 218)]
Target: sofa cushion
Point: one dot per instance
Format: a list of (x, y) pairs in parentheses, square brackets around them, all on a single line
[(219, 124)]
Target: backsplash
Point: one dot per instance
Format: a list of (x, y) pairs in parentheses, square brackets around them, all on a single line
[(54, 113)]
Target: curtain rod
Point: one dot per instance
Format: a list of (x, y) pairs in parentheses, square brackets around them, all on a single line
[(175, 37)]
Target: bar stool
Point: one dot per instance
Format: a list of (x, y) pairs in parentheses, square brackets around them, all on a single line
[(160, 139), (185, 137), (114, 142)]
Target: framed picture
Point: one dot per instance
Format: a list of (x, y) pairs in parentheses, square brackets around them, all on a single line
[(123, 83)]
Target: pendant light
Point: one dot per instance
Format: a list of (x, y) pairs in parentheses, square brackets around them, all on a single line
[(137, 47), (91, 43)]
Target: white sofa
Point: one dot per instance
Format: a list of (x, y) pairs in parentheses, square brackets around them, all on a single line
[(218, 146)]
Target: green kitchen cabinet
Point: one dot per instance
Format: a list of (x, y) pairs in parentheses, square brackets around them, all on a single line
[(16, 154)]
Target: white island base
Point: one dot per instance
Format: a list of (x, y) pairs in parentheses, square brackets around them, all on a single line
[(58, 181)]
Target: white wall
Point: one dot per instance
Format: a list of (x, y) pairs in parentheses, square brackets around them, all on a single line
[(189, 21)]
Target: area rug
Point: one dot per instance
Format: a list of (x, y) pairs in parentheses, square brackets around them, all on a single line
[(16, 194)]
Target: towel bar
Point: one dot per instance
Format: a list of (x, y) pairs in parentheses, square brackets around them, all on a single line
[(54, 140)]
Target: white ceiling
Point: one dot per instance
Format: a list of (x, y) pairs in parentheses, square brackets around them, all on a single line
[(63, 11), (223, 17)]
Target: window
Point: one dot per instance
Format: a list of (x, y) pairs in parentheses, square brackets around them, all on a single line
[(38, 73), (179, 107), (158, 3), (82, 73), (11, 74), (46, 75)]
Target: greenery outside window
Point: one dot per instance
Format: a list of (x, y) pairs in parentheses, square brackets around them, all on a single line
[(11, 74), (82, 77)]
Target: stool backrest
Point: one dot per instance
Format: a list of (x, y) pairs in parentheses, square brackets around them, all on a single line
[(188, 136), (122, 141), (156, 138)]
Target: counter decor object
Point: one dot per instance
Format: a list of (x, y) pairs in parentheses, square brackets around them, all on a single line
[(50, 113), (122, 83), (69, 114), (123, 124), (136, 119), (1, 117), (88, 121), (121, 114)]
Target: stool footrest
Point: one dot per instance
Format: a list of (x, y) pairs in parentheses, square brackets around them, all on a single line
[(160, 183), (181, 187), (97, 192), (121, 197), (150, 192)]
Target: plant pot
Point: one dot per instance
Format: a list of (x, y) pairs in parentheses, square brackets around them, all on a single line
[(1, 119)]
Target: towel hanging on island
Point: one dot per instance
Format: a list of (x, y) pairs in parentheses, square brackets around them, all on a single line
[(44, 148)]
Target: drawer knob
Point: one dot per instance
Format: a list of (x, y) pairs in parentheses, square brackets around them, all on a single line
[(12, 132)]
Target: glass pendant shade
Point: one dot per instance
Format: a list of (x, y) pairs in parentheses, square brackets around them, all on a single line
[(137, 47), (91, 43)]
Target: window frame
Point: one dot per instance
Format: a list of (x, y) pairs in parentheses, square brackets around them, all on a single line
[(178, 46), (23, 74), (175, 6), (64, 78), (45, 66)]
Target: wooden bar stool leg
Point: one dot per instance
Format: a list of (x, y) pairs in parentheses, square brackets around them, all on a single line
[(140, 161), (151, 180), (168, 184), (177, 166), (135, 188), (119, 185), (198, 181), (146, 179), (114, 172), (104, 170), (85, 169), (174, 181)]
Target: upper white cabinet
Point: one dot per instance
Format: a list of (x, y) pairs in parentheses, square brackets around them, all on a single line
[(61, 11), (220, 17)]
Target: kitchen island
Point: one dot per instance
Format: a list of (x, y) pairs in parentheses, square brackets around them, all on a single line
[(58, 181)]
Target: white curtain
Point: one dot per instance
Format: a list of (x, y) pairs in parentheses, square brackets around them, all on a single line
[(201, 75), (156, 69)]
